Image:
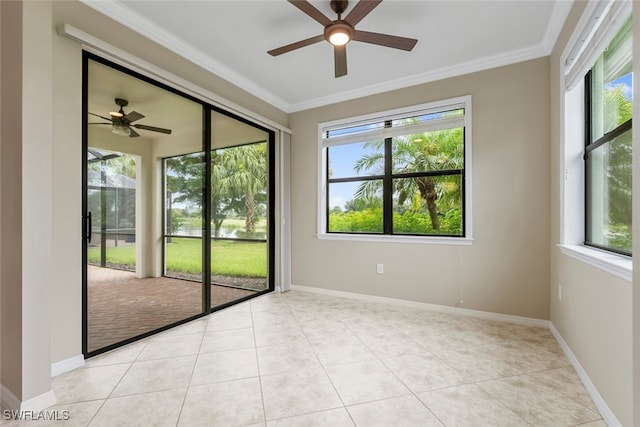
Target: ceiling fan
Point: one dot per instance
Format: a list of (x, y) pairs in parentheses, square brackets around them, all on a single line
[(339, 32), (121, 123)]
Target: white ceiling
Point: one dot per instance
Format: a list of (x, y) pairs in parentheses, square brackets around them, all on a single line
[(231, 38)]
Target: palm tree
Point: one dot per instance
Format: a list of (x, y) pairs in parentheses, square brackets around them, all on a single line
[(429, 151), (245, 177)]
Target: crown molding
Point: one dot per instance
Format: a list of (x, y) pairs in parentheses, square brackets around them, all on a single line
[(482, 64), (559, 14), (158, 34)]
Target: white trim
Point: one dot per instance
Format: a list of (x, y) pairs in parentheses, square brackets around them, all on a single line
[(67, 365), (606, 412), (520, 320), (283, 227), (405, 129), (604, 21), (145, 27), (161, 36), (432, 240), (559, 15), (121, 57), (482, 64), (38, 403), (561, 10), (609, 262)]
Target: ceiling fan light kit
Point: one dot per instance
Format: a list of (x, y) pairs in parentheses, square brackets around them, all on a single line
[(339, 32)]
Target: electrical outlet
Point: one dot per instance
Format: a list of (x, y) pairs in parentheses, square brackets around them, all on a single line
[(380, 268), (560, 292)]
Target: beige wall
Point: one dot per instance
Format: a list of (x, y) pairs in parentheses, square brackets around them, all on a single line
[(10, 182), (37, 201), (506, 269), (26, 221), (595, 314), (66, 283)]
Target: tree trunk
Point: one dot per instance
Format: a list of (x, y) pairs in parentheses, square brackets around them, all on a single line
[(427, 187), (217, 224), (249, 204)]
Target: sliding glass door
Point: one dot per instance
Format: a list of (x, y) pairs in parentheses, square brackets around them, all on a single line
[(178, 207)]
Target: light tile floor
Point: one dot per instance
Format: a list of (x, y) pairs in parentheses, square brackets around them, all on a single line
[(300, 359)]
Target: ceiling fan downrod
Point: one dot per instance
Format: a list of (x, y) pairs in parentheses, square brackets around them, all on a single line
[(339, 6)]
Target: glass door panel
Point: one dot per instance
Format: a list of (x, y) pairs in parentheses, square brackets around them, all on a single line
[(111, 199), (184, 217), (133, 123), (239, 210)]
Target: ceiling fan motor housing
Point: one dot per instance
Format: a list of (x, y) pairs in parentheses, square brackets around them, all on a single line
[(339, 6)]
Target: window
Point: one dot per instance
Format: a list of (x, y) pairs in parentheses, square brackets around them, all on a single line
[(399, 173), (608, 110)]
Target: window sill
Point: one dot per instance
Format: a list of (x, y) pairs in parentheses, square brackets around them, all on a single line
[(428, 240), (618, 265)]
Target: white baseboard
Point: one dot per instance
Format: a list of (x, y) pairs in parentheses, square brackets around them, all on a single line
[(67, 365), (520, 320), (10, 402), (606, 412)]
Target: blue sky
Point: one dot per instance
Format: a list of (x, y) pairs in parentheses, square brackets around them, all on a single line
[(342, 160), (627, 82)]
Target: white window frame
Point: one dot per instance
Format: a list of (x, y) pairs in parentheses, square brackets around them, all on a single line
[(598, 24), (431, 107)]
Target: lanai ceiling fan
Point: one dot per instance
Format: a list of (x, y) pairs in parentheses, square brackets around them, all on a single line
[(339, 32), (121, 122)]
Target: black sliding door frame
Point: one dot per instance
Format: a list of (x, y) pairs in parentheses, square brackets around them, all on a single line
[(207, 109)]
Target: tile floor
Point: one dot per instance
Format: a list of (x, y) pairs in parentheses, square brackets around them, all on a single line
[(300, 359)]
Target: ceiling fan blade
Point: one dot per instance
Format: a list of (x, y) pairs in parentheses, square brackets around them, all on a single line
[(311, 11), (360, 10), (100, 123), (152, 128), (296, 45), (387, 40), (133, 133), (340, 60), (133, 116), (102, 117)]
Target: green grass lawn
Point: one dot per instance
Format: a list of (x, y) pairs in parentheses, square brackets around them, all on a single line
[(228, 258)]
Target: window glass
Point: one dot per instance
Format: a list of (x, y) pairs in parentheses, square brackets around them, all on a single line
[(356, 207), (609, 201), (609, 99), (407, 179), (428, 151), (428, 205), (358, 159), (611, 85), (424, 118)]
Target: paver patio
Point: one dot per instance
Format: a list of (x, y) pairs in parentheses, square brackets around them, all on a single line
[(121, 306)]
